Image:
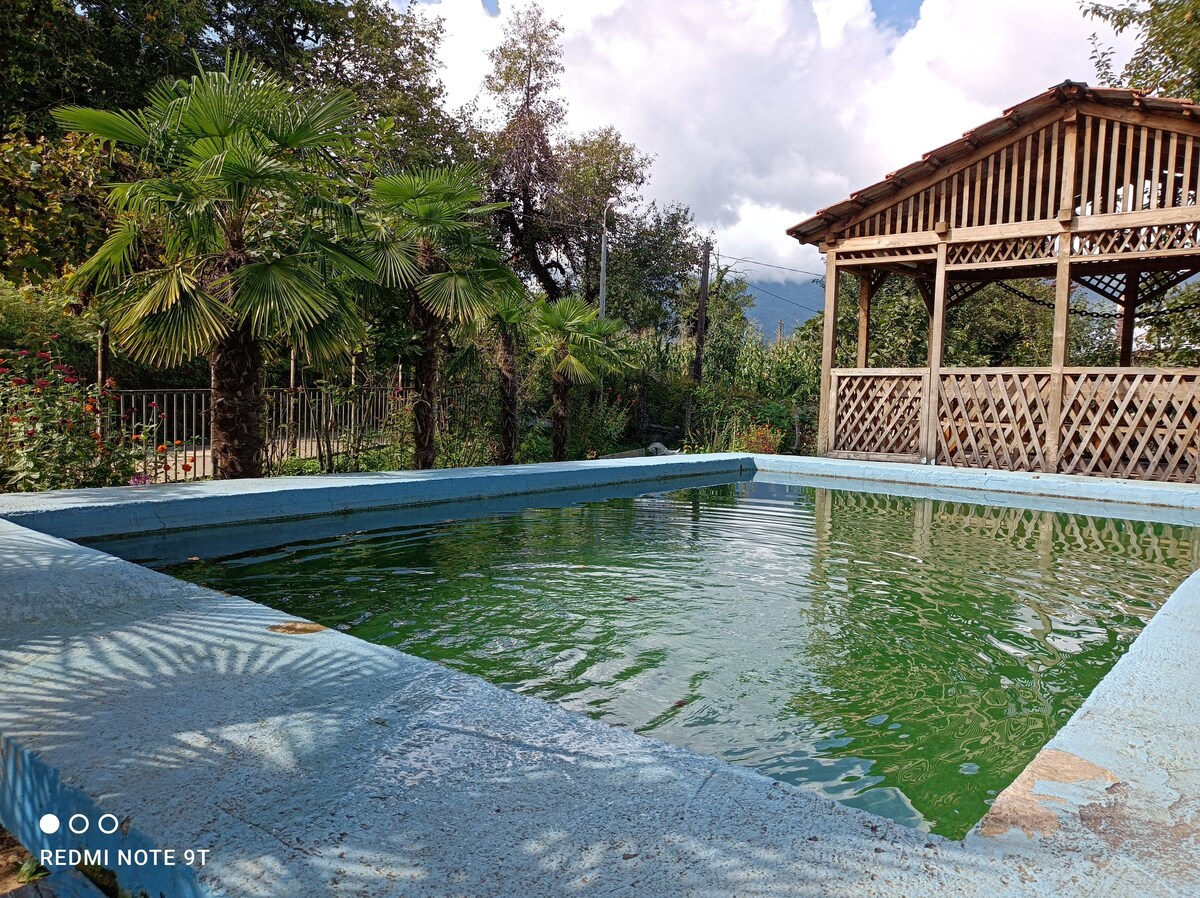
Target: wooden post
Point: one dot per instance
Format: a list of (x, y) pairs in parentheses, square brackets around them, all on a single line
[(1058, 359), (864, 316), (102, 355), (1127, 318), (826, 410), (701, 316), (929, 394)]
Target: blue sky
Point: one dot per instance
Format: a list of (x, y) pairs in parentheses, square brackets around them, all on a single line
[(899, 15)]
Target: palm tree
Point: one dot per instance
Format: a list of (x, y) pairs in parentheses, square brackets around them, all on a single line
[(510, 321), (428, 241), (229, 244), (580, 347)]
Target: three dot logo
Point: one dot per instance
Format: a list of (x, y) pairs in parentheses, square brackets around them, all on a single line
[(79, 824)]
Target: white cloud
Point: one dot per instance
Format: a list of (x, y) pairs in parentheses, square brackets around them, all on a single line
[(760, 112)]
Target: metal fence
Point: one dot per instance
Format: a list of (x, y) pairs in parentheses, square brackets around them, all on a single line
[(174, 426)]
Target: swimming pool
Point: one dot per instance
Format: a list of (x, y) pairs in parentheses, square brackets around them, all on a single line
[(907, 656)]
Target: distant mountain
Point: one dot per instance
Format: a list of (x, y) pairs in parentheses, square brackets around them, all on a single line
[(786, 301)]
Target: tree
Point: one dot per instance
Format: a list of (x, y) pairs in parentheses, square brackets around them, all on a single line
[(53, 212), (102, 53), (430, 249), (652, 257), (509, 320), (524, 168), (389, 60), (593, 169), (1167, 58), (231, 244), (580, 346)]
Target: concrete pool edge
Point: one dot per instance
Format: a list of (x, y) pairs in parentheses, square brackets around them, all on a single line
[(1102, 807)]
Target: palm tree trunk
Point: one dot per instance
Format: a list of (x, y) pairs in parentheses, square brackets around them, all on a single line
[(237, 404), (560, 411), (425, 372), (509, 410)]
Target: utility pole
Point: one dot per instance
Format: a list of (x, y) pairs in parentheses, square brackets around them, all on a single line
[(701, 316), (604, 254)]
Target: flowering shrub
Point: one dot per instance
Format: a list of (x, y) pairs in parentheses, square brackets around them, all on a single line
[(760, 439), (52, 428)]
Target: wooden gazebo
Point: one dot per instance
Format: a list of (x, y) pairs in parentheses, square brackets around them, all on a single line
[(1096, 187)]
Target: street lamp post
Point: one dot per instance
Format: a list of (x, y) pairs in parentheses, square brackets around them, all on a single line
[(604, 254)]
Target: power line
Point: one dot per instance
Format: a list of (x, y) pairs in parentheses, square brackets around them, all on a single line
[(791, 302), (819, 274)]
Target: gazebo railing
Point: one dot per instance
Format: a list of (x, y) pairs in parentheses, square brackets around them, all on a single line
[(1135, 423)]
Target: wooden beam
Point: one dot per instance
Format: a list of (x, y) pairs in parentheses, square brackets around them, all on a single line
[(930, 422), (1058, 360), (1126, 319), (864, 317), (925, 288), (826, 410), (1149, 119)]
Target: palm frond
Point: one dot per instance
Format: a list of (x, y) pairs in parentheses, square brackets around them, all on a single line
[(164, 317), (456, 295), (114, 261), (127, 127), (279, 295)]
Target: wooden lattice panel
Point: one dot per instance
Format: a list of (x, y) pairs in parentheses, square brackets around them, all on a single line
[(1140, 425), (1013, 249), (878, 414), (1151, 284), (990, 418), (1117, 242)]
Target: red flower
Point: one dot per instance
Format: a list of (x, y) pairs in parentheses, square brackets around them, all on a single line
[(4, 370), (185, 467), (162, 448), (70, 380), (42, 382), (54, 336), (30, 433), (153, 405), (44, 355), (19, 382), (22, 352)]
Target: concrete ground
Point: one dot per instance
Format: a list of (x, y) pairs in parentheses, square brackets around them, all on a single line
[(308, 762)]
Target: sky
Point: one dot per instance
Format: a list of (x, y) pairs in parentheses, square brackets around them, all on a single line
[(761, 112)]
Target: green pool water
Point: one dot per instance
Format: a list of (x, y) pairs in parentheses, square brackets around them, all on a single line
[(905, 656)]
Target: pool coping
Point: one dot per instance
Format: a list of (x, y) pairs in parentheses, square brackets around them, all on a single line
[(1110, 806)]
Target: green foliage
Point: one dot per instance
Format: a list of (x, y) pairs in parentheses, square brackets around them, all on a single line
[(31, 871), (1172, 338), (52, 208), (599, 425), (653, 254), (33, 317), (54, 431), (104, 53), (1166, 60)]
